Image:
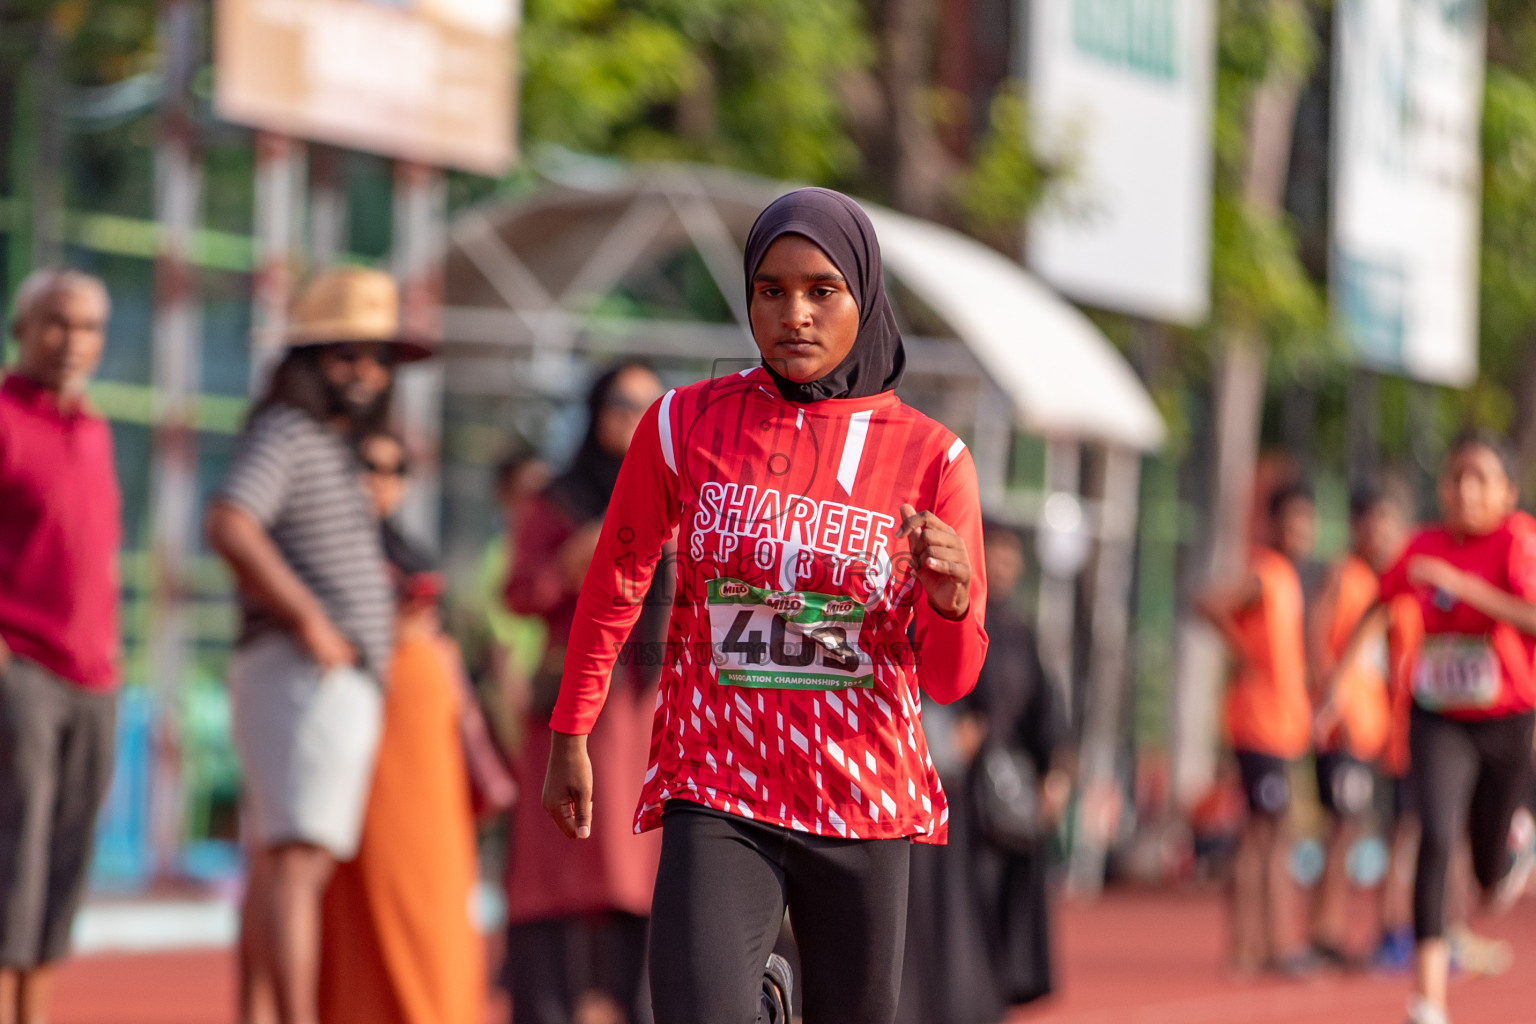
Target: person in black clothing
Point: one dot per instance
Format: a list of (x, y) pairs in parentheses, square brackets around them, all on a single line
[(978, 924)]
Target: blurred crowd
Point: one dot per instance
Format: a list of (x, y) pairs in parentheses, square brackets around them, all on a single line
[(1403, 671), (370, 749), (372, 754)]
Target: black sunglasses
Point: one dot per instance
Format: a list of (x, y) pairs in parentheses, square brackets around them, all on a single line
[(351, 352), (620, 404), (378, 469)]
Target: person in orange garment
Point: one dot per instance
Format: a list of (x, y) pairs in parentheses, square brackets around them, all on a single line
[(1353, 717), (398, 945), (1268, 721), (1405, 634)]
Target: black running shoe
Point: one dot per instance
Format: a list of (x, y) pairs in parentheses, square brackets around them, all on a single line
[(778, 991), (1328, 955)]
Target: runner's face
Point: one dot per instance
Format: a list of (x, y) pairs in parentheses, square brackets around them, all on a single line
[(1295, 528), (1475, 492), (804, 317), (1379, 535)]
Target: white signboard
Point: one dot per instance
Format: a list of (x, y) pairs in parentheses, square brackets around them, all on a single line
[(1123, 91), (1408, 102)]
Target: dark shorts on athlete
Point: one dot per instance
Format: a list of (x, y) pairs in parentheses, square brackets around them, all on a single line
[(1266, 782), (1346, 785), (1405, 802), (56, 751)]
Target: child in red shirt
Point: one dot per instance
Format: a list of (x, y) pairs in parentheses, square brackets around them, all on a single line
[(1473, 577)]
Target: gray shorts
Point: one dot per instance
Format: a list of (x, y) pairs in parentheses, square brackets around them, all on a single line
[(306, 741), (56, 751)]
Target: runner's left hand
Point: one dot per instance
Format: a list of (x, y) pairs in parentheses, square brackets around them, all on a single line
[(939, 555)]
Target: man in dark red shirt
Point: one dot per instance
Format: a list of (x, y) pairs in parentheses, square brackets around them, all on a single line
[(59, 533)]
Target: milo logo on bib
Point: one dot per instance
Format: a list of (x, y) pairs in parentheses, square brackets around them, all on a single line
[(787, 605), (786, 640)]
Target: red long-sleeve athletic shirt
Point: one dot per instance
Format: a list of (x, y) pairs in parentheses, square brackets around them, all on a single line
[(789, 689)]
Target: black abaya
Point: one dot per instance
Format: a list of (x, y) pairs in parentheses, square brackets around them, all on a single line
[(978, 934)]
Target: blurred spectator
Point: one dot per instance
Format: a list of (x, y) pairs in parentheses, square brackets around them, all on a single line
[(1404, 634), (59, 533), (399, 946), (1353, 716), (978, 925), (1269, 725), (577, 912), (516, 642), (1216, 824), (317, 610)]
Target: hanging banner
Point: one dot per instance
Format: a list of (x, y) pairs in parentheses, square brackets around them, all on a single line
[(1408, 95), (1121, 91), (430, 81)]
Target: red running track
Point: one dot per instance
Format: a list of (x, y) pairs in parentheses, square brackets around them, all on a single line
[(1157, 959), (1132, 959)]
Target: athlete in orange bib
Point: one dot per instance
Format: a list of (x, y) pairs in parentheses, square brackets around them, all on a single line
[(1353, 721), (1268, 721)]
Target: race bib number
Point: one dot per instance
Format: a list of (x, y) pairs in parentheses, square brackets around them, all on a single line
[(1456, 673), (786, 640)]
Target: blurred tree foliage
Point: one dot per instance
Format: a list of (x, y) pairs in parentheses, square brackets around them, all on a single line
[(746, 83), (1008, 177), (1257, 276), (784, 88), (104, 40), (1506, 393)]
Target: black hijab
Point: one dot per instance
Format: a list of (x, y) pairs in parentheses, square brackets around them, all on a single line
[(841, 230), (583, 490)]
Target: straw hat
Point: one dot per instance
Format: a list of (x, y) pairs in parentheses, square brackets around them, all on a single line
[(351, 304)]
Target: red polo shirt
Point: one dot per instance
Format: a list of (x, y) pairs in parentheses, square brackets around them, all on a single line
[(59, 534)]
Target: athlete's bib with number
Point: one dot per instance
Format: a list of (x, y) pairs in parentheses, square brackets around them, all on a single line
[(786, 640), (1456, 673)]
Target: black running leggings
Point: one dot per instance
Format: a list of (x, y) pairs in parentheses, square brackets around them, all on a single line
[(721, 892), (1468, 778)]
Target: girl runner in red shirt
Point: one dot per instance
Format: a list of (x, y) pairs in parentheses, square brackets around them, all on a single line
[(1474, 691), (787, 763)]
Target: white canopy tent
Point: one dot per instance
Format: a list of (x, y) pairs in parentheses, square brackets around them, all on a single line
[(530, 278), (1062, 374)]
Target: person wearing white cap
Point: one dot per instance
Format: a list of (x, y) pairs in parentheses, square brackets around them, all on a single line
[(317, 612)]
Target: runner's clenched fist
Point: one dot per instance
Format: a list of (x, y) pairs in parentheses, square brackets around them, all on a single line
[(939, 555)]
